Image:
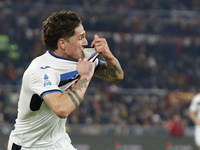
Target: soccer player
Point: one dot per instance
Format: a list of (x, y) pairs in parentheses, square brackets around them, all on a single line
[(194, 113), (54, 84)]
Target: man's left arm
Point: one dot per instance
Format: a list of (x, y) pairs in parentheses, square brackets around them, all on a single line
[(110, 69)]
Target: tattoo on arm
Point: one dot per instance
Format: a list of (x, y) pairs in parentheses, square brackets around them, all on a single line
[(83, 83), (91, 68), (118, 67), (109, 71), (77, 96), (101, 73), (73, 100)]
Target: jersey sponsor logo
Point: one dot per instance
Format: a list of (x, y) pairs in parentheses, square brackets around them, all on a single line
[(47, 81), (45, 67)]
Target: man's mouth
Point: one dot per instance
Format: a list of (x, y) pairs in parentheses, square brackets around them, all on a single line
[(82, 54)]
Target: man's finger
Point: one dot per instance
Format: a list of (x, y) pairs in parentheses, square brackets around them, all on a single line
[(96, 36), (80, 59), (84, 59)]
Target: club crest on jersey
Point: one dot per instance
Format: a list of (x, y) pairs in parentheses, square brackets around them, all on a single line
[(46, 79)]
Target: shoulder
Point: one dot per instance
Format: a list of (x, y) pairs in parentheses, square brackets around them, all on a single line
[(39, 67), (197, 97)]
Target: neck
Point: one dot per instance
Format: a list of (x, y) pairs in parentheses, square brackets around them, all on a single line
[(58, 52)]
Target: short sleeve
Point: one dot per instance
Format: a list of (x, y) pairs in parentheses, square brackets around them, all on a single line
[(43, 80)]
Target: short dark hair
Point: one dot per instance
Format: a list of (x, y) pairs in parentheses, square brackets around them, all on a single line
[(59, 25)]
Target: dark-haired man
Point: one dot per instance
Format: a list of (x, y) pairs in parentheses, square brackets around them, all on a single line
[(54, 84)]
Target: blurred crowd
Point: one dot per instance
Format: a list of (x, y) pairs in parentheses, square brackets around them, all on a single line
[(156, 42)]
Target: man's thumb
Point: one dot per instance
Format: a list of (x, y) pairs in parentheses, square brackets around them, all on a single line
[(96, 36)]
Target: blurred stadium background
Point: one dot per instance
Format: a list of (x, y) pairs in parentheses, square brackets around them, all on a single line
[(158, 45)]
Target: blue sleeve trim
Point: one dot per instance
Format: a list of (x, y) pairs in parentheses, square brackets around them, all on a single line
[(51, 91)]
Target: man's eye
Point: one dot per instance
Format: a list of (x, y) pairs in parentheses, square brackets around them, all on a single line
[(81, 37)]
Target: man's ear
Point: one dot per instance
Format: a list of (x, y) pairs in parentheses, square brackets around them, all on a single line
[(62, 43)]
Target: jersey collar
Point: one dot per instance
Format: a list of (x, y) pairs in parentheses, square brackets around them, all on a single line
[(54, 55)]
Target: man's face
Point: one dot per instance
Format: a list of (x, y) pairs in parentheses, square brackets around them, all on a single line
[(75, 44)]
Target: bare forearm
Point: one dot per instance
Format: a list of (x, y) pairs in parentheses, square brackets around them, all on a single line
[(114, 69), (110, 71), (78, 91), (64, 104)]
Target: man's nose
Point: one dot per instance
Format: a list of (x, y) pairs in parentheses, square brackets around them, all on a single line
[(85, 42)]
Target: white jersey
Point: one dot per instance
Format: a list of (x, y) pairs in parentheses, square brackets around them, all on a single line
[(36, 123), (195, 105)]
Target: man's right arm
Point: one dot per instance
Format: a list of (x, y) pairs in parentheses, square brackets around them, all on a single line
[(64, 104)]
